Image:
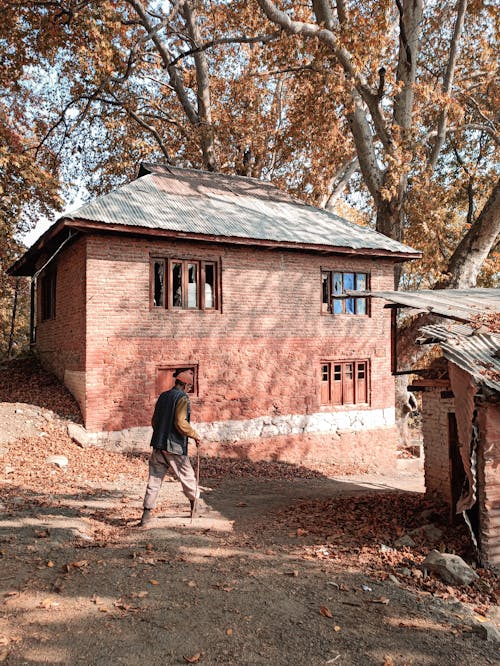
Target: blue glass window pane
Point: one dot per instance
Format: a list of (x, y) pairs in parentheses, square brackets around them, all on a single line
[(349, 305), (337, 306), (361, 281), (348, 281), (361, 306)]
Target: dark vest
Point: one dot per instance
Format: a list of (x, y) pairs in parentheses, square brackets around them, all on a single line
[(166, 437)]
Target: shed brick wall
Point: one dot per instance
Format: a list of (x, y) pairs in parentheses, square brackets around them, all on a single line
[(435, 412), (260, 355)]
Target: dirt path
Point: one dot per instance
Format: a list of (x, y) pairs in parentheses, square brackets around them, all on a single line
[(291, 567), (243, 585)]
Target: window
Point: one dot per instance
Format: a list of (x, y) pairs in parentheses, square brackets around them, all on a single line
[(48, 296), (184, 284), (165, 378), (344, 382), (334, 285)]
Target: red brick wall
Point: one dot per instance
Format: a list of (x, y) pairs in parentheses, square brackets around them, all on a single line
[(60, 342), (261, 355)]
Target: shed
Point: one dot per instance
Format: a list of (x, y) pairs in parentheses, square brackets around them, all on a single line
[(461, 406)]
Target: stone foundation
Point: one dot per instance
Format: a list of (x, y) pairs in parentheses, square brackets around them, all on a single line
[(364, 438)]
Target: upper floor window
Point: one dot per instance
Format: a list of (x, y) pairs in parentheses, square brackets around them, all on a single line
[(335, 284), (344, 382), (184, 284), (48, 295)]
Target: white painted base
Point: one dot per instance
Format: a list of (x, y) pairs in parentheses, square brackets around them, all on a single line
[(260, 427)]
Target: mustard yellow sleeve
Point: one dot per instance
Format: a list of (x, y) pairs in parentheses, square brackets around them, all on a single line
[(181, 422)]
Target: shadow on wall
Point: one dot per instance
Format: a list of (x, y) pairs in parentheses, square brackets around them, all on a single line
[(24, 380)]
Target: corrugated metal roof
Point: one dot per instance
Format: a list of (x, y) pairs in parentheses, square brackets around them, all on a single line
[(197, 202), (478, 354), (461, 304)]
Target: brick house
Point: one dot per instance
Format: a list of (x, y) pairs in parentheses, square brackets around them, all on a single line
[(240, 282), (460, 397)]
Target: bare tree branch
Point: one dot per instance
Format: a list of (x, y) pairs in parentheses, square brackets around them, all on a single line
[(448, 82), (242, 39), (339, 182)]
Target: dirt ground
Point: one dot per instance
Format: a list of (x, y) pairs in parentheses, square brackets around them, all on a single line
[(290, 566)]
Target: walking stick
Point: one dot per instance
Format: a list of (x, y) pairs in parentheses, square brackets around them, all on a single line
[(197, 483)]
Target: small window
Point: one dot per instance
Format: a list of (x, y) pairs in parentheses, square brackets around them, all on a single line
[(165, 379), (48, 296), (344, 383), (184, 284), (334, 285)]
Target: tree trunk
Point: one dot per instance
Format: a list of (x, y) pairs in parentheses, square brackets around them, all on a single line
[(13, 320), (471, 252)]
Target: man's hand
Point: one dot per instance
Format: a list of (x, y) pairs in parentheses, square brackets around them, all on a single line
[(197, 442)]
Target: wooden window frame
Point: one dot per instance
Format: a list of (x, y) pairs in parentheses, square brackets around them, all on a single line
[(48, 284), (167, 300), (169, 383), (328, 306), (328, 369)]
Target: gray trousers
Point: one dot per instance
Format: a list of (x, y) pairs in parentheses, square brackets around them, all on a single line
[(159, 462)]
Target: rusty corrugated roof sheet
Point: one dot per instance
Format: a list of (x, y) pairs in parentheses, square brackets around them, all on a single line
[(217, 205), (460, 304), (476, 353)]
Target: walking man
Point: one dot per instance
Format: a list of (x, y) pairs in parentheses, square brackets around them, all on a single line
[(171, 429)]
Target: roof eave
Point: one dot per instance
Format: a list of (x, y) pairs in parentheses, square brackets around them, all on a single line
[(89, 225), (23, 266)]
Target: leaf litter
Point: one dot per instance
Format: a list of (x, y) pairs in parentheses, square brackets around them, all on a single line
[(340, 534)]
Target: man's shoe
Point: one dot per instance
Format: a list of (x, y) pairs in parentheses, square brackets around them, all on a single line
[(200, 509), (147, 518)]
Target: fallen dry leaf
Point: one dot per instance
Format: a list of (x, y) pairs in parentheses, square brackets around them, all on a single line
[(191, 583), (380, 600), (194, 659), (336, 628), (153, 582), (229, 632), (79, 564), (388, 661), (326, 612), (50, 564), (301, 532)]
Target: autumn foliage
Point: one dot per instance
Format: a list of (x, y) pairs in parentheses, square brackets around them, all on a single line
[(383, 111)]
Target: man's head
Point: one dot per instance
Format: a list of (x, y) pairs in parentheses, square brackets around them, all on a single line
[(184, 377)]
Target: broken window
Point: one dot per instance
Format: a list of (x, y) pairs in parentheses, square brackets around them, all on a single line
[(159, 283), (184, 284), (48, 295), (335, 284), (176, 281), (344, 382)]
